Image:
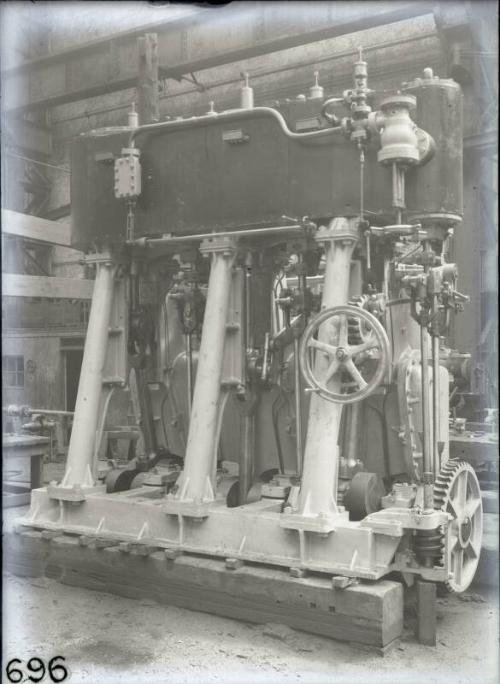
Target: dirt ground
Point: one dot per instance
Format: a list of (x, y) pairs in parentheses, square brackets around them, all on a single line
[(110, 639), (107, 638)]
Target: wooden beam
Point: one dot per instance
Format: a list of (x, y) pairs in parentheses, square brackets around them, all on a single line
[(243, 31), (27, 136), (369, 614), (148, 103), (35, 228), (17, 285)]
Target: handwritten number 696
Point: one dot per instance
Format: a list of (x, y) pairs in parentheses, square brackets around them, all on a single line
[(37, 670)]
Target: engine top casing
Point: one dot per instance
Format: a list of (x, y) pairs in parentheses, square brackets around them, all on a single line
[(220, 175)]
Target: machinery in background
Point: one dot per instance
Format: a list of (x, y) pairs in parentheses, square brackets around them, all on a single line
[(51, 423), (272, 287)]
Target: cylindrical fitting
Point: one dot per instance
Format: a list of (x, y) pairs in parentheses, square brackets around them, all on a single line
[(316, 91), (398, 137), (133, 117), (246, 95), (435, 190)]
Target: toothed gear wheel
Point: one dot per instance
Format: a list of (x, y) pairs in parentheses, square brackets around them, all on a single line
[(359, 332), (457, 492), (356, 334)]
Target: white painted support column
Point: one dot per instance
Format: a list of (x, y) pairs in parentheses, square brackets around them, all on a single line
[(317, 501), (78, 475), (195, 484)]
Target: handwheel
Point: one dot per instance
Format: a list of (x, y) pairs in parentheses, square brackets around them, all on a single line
[(355, 370)]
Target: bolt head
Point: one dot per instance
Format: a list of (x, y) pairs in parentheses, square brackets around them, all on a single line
[(341, 354)]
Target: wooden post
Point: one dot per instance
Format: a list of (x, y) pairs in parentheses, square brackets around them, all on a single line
[(426, 612), (147, 84)]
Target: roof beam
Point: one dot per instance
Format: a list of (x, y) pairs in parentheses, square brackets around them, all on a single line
[(28, 136), (35, 228), (204, 40)]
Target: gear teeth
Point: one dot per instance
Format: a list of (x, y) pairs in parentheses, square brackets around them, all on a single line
[(355, 335), (442, 488)]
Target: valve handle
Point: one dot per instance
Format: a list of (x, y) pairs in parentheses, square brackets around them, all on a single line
[(325, 352)]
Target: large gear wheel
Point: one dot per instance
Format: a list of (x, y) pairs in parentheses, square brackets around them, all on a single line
[(359, 331), (457, 492), (356, 332)]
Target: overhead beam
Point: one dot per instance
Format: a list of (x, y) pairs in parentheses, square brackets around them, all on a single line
[(27, 136), (483, 142), (34, 228), (204, 40), (17, 285)]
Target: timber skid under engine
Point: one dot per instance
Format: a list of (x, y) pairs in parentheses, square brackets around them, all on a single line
[(272, 296)]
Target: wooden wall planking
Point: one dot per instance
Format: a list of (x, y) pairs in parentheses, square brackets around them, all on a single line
[(17, 285)]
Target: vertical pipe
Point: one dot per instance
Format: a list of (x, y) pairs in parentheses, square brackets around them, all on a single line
[(298, 405), (189, 373), (321, 455), (426, 421), (195, 482), (146, 410), (352, 432), (245, 475), (435, 405), (83, 434)]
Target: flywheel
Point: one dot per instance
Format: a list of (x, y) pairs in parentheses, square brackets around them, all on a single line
[(457, 492)]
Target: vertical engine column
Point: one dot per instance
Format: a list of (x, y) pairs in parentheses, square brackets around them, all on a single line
[(78, 477), (195, 486), (316, 507)]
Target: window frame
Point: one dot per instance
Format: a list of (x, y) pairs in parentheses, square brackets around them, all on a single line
[(13, 374)]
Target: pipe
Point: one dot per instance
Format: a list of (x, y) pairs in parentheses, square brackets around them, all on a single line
[(302, 284), (189, 372), (245, 475), (195, 482), (83, 435), (352, 432), (426, 419), (28, 411), (298, 405), (146, 410), (321, 455), (435, 405), (249, 232), (229, 115)]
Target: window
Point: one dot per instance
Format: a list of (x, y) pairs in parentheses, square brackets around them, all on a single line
[(13, 371), (84, 312)]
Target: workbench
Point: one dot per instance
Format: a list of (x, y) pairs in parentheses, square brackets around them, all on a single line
[(22, 467)]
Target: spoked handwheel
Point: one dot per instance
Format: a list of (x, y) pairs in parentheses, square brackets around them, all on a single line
[(457, 492), (338, 371)]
